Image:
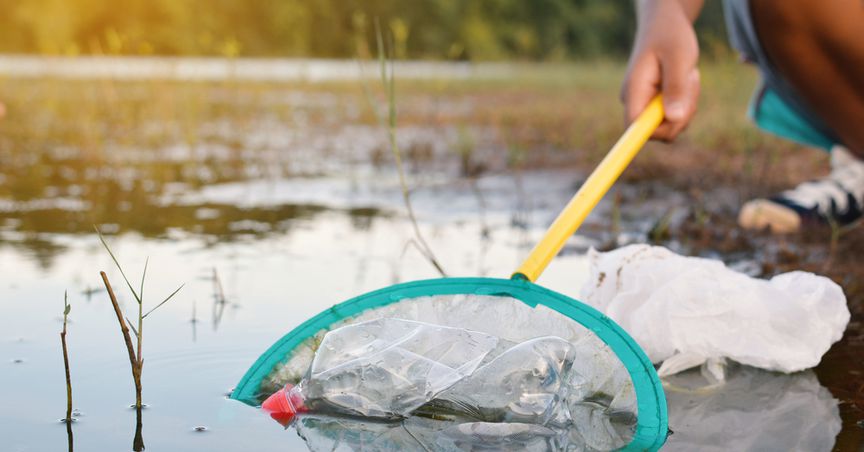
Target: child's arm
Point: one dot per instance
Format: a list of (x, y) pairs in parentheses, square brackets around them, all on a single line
[(664, 60)]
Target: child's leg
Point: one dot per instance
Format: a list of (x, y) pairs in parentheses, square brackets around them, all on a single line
[(811, 58), (818, 47)]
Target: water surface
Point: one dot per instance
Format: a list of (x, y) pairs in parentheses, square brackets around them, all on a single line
[(269, 217)]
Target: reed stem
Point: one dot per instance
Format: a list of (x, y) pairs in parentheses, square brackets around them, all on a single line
[(134, 362), (66, 309)]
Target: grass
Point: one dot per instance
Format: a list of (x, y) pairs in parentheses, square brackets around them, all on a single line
[(67, 308), (136, 358), (388, 123), (70, 440)]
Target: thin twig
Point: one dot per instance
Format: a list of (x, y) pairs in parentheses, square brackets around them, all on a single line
[(66, 309), (389, 84), (136, 359), (485, 239), (133, 361)]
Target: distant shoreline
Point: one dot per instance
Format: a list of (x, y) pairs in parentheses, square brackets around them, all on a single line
[(251, 69)]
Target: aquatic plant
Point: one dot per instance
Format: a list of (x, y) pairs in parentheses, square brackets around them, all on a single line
[(136, 359), (66, 309), (388, 122)]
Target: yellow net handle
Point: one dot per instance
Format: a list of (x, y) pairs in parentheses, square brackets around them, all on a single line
[(592, 191)]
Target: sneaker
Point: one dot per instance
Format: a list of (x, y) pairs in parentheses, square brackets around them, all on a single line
[(837, 198)]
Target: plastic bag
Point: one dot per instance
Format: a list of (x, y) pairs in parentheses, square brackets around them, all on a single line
[(688, 311)]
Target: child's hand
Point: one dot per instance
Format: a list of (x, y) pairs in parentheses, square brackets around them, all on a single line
[(664, 60)]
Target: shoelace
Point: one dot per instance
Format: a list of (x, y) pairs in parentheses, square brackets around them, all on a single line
[(830, 196)]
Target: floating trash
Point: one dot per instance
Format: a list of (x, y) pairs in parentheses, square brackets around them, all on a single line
[(391, 369)]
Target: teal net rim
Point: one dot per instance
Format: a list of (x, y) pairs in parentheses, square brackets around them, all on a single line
[(652, 420)]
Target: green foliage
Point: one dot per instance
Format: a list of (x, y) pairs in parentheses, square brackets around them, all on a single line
[(440, 29)]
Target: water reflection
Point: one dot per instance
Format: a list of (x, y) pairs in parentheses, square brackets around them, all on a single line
[(93, 154), (754, 410), (70, 439), (138, 440), (219, 300), (193, 321), (323, 433), (163, 160)]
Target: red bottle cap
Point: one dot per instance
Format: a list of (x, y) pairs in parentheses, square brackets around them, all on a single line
[(283, 404)]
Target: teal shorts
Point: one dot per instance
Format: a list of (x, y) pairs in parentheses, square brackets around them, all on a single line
[(776, 107)]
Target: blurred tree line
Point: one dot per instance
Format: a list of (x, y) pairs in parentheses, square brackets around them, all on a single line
[(425, 29)]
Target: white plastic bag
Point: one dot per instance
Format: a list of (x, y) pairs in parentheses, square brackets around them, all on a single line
[(687, 311)]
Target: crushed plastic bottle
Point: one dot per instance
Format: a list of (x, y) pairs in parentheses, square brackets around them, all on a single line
[(384, 368), (390, 369), (525, 383)]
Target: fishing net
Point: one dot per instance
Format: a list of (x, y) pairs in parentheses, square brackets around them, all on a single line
[(615, 401)]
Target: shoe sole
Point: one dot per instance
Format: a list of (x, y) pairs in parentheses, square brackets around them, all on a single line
[(763, 214)]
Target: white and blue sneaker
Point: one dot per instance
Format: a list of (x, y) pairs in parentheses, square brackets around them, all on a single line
[(837, 198)]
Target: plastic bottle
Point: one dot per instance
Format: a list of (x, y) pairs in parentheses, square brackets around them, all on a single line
[(526, 383), (390, 369), (384, 368)]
